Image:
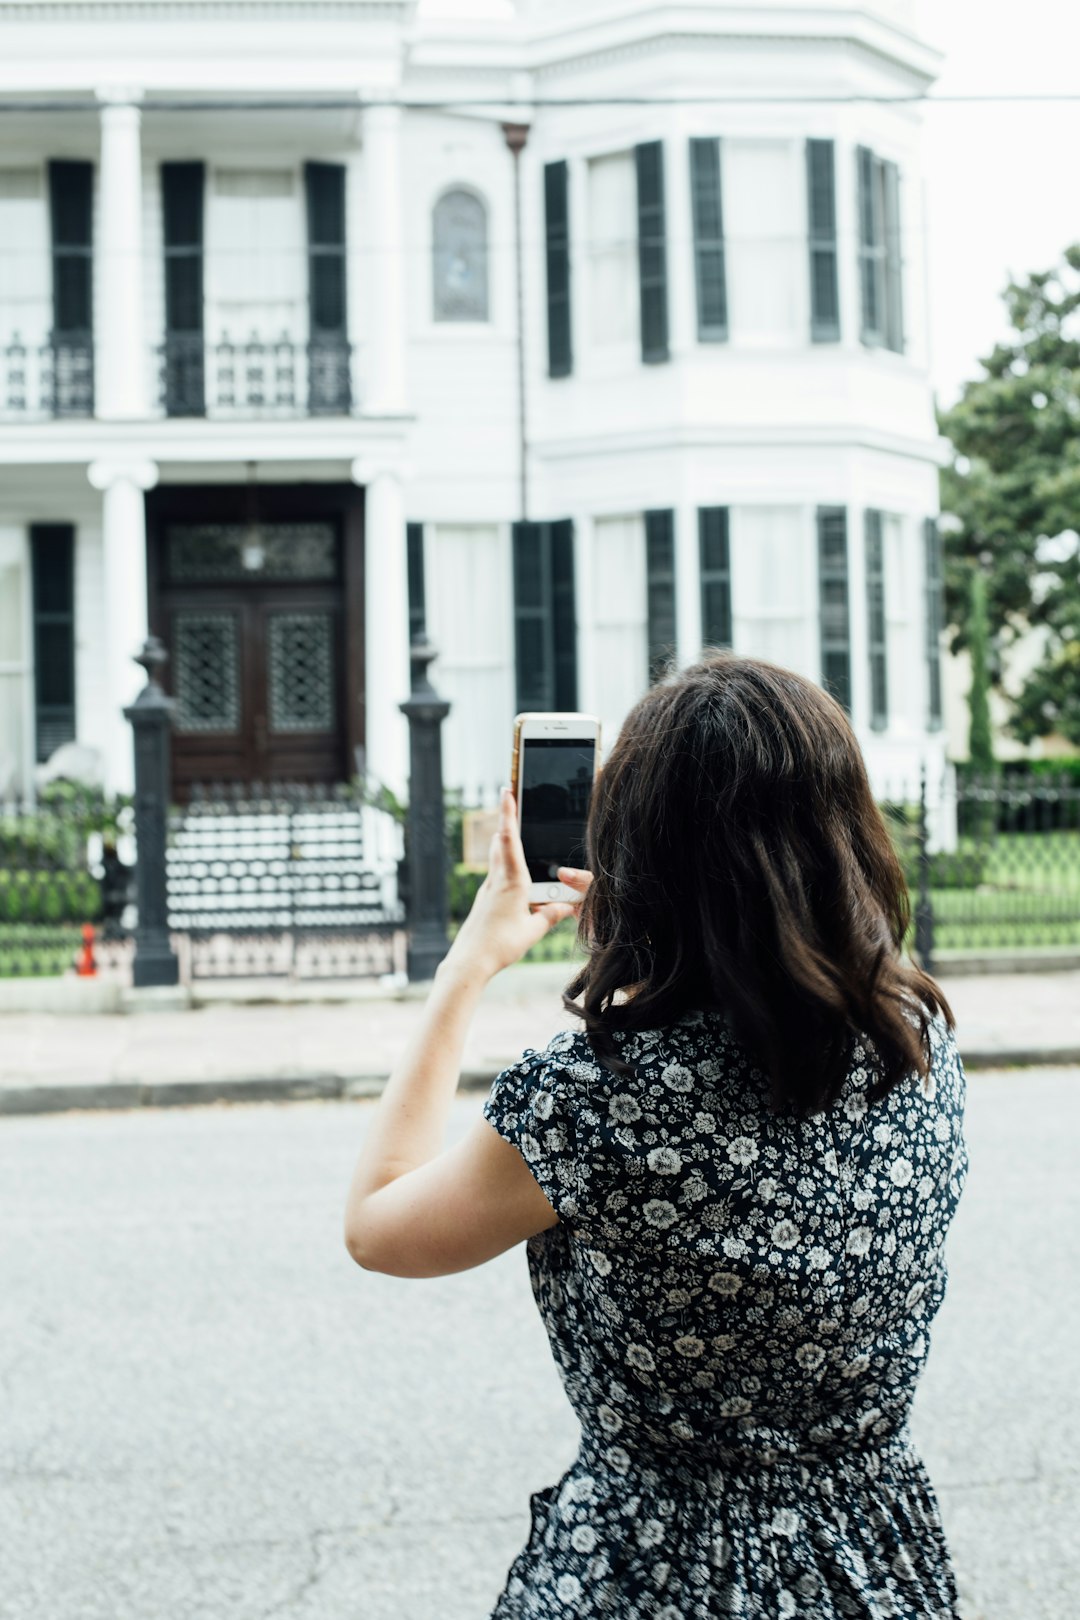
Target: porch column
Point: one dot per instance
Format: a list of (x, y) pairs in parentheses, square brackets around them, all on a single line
[(386, 625), (120, 358), (383, 386), (123, 485)]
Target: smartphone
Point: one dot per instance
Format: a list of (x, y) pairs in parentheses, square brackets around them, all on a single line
[(556, 758)]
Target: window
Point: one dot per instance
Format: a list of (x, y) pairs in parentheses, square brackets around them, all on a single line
[(557, 229), (620, 618), (660, 598), (545, 618), (765, 253), (329, 381), (613, 272), (833, 597), (52, 572), (875, 619), (71, 188), (13, 659), (821, 221), (469, 586), (414, 540), (460, 245), (182, 186), (880, 256), (935, 620), (709, 269), (714, 556)]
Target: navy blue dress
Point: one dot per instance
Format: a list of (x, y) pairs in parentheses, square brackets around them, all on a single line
[(739, 1306)]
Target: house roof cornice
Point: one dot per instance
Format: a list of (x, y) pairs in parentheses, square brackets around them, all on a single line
[(67, 11)]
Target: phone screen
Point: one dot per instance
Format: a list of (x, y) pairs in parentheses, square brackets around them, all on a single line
[(556, 785)]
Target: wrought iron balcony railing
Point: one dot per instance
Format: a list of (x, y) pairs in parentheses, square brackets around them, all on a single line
[(255, 377), (42, 380)]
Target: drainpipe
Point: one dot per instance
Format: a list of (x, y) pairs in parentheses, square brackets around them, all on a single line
[(516, 135)]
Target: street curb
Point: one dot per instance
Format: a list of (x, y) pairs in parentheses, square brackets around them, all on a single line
[(102, 1095)]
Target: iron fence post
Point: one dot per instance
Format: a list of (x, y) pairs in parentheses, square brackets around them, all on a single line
[(151, 721), (425, 849), (924, 905)]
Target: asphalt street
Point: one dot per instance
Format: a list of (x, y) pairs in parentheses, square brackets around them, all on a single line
[(209, 1413)]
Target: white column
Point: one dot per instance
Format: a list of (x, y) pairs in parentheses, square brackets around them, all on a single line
[(687, 583), (120, 358), (386, 626), (383, 385), (126, 623)]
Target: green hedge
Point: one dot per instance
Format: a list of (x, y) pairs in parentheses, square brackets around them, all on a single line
[(28, 952), (48, 897)]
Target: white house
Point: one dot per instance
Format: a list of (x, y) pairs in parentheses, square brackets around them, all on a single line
[(585, 332)]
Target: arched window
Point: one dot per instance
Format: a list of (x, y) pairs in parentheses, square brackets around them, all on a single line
[(461, 257)]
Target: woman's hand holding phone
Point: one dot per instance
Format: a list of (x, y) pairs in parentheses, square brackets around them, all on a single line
[(502, 924)]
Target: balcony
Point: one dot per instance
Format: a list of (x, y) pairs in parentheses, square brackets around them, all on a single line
[(54, 378), (255, 377)]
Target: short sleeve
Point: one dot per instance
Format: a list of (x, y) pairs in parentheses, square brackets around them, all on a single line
[(532, 1104)]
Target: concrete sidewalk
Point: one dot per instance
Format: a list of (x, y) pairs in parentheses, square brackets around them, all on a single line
[(238, 1051)]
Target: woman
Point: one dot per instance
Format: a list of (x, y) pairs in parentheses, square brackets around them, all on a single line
[(736, 1181)]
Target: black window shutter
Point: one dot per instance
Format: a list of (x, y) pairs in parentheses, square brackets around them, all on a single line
[(894, 292), (652, 251), (557, 232), (660, 589), (414, 540), (545, 617), (821, 217), (563, 613), (71, 191), (52, 573), (875, 616), (714, 556), (871, 247), (182, 188), (935, 620), (329, 383), (709, 267), (534, 652), (833, 589)]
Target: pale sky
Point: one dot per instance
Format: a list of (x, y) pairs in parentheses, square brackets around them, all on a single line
[(1002, 186)]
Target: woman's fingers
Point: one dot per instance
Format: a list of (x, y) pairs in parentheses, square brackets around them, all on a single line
[(575, 878), (555, 911)]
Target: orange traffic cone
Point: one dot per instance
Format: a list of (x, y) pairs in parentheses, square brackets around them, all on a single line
[(85, 965)]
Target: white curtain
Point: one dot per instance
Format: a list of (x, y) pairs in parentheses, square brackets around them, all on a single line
[(25, 288), (904, 660), (774, 586), (620, 619), (765, 240), (469, 619), (612, 246), (256, 266), (13, 658)]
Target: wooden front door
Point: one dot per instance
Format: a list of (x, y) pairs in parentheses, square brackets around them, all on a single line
[(254, 616)]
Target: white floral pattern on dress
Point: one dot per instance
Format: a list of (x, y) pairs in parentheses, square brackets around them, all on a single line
[(738, 1304)]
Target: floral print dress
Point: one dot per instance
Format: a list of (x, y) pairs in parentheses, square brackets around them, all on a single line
[(738, 1304)]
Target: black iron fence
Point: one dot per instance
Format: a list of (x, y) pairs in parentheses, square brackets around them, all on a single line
[(47, 379), (284, 879), (255, 376)]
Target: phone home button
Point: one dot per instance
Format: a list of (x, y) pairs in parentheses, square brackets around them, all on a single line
[(554, 891)]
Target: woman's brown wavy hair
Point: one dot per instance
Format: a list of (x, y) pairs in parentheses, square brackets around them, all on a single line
[(741, 863)]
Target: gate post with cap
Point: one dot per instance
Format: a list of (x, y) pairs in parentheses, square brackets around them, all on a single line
[(150, 717), (425, 846)]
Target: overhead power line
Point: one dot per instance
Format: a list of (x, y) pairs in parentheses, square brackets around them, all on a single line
[(506, 105)]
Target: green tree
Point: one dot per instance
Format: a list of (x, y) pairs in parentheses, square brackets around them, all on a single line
[(1012, 493), (981, 737)]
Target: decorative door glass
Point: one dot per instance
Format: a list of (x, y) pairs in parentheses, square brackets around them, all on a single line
[(206, 649), (300, 670)]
